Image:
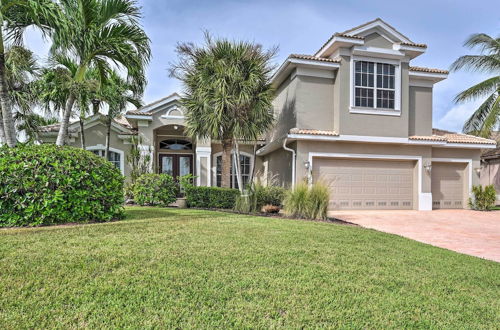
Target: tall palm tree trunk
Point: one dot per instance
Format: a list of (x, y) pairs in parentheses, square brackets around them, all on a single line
[(2, 133), (108, 138), (9, 132), (82, 133), (226, 163), (62, 137)]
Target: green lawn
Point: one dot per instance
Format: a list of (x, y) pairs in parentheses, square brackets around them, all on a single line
[(190, 268)]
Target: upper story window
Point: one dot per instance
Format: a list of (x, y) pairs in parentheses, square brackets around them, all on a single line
[(374, 85), (113, 157)]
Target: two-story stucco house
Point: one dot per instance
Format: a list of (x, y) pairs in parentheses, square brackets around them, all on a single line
[(355, 115)]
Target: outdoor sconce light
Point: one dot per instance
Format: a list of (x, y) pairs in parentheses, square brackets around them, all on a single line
[(428, 168), (176, 127), (478, 171), (307, 165)]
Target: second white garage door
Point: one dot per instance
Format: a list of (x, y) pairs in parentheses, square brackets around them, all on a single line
[(366, 184)]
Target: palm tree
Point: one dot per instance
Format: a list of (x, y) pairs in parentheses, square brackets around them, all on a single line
[(15, 17), (101, 34), (30, 124), (117, 93), (487, 116), (227, 93)]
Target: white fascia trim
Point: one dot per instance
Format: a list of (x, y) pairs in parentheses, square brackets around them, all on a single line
[(370, 111), (458, 160), (386, 139), (160, 104), (428, 75), (118, 151), (345, 40), (378, 52), (469, 145), (140, 117), (381, 157), (409, 48), (315, 63), (421, 83), (385, 27)]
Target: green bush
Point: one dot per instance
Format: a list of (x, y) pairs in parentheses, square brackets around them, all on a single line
[(46, 184), (211, 197), (484, 198), (155, 189), (259, 195), (308, 203)]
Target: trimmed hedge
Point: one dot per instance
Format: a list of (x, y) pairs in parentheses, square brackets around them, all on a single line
[(46, 184), (211, 197), (155, 189)]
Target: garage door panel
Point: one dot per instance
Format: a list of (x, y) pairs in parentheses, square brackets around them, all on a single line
[(448, 181), (366, 184)]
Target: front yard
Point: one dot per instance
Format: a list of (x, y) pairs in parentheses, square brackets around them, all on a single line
[(191, 268)]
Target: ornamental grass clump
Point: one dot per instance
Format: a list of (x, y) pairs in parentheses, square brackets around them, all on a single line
[(46, 185), (483, 199), (307, 202)]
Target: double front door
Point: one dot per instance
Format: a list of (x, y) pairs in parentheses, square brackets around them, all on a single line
[(176, 165)]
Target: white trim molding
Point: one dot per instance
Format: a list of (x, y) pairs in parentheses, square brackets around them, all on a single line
[(118, 151), (214, 164), (424, 199), (203, 152)]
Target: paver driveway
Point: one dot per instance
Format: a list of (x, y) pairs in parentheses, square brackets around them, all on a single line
[(470, 232)]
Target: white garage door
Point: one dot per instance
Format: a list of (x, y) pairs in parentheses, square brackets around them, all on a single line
[(366, 184), (448, 185)]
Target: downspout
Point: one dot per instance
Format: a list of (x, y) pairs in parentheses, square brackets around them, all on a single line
[(294, 156)]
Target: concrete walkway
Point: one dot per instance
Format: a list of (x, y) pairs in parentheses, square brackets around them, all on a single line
[(470, 232)]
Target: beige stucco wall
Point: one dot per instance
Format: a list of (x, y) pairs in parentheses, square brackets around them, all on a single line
[(314, 103), (420, 110), (376, 40), (284, 105), (96, 135), (277, 167), (490, 175)]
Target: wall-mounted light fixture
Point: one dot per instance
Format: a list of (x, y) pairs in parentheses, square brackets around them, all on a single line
[(307, 164), (428, 168), (478, 171)]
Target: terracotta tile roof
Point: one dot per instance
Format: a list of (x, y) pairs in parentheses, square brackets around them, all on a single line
[(123, 121), (314, 58), (452, 137), (413, 44), (312, 132), (54, 128), (139, 113), (343, 35), (428, 70)]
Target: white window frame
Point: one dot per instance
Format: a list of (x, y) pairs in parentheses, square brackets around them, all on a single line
[(214, 164), (397, 88), (118, 151)]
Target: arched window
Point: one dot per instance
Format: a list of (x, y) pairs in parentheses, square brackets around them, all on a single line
[(175, 144), (246, 165)]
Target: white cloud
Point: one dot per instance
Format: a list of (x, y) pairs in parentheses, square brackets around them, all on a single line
[(454, 119)]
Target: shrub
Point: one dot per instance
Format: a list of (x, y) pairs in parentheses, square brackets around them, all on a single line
[(46, 184), (155, 189), (259, 195), (211, 197), (309, 203), (483, 199)]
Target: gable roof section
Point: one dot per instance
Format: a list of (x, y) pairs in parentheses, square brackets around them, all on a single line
[(377, 22), (151, 108)]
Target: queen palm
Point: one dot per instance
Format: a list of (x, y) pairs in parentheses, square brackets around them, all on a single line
[(227, 93), (15, 17), (101, 34), (487, 117)]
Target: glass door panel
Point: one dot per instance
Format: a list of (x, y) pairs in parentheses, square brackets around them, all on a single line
[(184, 165), (167, 165)]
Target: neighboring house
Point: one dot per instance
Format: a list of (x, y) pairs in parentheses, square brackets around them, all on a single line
[(355, 115), (490, 167)]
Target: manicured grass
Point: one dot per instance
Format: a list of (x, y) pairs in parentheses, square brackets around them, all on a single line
[(190, 268)]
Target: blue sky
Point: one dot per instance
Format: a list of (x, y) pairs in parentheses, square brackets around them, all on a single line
[(303, 26)]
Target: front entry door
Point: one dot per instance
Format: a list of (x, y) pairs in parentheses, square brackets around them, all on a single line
[(176, 164)]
